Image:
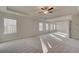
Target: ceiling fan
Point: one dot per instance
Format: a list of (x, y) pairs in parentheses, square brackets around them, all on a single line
[(46, 9)]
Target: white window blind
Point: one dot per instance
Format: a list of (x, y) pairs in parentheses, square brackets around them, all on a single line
[(51, 27), (54, 26), (40, 26), (9, 26), (47, 27)]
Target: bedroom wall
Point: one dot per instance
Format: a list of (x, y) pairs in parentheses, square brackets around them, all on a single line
[(26, 27), (75, 26), (6, 37), (62, 26), (30, 27)]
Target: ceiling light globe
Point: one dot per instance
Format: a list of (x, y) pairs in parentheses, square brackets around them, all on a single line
[(45, 12)]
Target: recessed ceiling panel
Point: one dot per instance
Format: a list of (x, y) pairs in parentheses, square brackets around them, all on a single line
[(34, 11)]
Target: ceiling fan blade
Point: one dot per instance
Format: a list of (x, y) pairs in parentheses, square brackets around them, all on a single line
[(42, 8), (51, 8), (50, 11), (45, 8)]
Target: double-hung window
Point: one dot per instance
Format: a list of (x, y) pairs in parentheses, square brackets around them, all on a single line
[(9, 26)]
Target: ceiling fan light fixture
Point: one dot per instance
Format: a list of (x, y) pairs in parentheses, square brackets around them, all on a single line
[(47, 9), (45, 12)]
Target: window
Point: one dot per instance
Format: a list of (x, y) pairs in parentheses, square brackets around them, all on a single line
[(54, 26), (9, 26), (51, 26), (47, 26), (40, 26)]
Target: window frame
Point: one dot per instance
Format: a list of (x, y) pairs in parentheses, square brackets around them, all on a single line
[(40, 26), (47, 26), (10, 25)]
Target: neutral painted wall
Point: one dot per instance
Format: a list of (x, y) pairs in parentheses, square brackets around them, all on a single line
[(63, 26), (6, 37), (26, 27), (75, 26), (72, 28)]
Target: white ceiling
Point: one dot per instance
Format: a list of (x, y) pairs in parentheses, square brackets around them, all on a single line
[(33, 11)]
